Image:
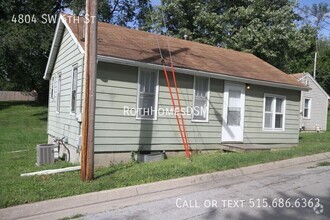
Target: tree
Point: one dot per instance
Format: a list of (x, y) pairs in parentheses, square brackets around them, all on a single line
[(120, 12), (265, 28), (144, 14), (316, 15), (319, 12), (24, 44), (200, 20), (323, 64), (268, 30)]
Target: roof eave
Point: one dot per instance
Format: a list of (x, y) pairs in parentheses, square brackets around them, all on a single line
[(317, 84), (61, 24), (54, 49), (108, 59)]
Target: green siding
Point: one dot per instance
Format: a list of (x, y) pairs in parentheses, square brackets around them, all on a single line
[(254, 101), (64, 123), (114, 131), (116, 87)]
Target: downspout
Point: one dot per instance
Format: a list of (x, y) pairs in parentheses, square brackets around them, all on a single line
[(81, 103)]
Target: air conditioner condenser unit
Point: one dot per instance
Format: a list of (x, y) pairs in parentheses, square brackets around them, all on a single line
[(45, 153)]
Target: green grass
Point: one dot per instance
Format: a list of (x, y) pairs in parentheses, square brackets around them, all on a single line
[(325, 163), (79, 216), (22, 126)]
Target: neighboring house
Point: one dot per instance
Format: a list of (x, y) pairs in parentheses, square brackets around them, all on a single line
[(314, 104), (245, 100)]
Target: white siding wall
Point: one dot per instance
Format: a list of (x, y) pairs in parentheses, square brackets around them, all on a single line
[(64, 123), (319, 107)]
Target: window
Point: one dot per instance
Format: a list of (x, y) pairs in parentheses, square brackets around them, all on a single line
[(58, 95), (307, 108), (52, 88), (234, 107), (274, 112), (147, 94), (201, 99), (74, 89)]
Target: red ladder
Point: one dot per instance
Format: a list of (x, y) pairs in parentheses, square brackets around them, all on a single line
[(179, 117)]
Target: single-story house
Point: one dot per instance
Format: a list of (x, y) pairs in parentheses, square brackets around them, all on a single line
[(241, 98), (314, 104)]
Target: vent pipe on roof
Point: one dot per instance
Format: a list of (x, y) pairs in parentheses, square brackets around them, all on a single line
[(185, 37)]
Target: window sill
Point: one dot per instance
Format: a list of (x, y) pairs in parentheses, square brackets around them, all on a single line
[(273, 130), (146, 119), (199, 121)]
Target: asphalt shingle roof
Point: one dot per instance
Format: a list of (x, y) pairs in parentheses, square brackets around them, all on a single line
[(130, 44)]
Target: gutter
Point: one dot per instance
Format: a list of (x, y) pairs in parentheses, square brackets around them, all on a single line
[(115, 60)]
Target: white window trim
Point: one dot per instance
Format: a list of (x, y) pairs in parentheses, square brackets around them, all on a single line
[(156, 95), (273, 114), (52, 89), (58, 93), (309, 108), (73, 67), (208, 102)]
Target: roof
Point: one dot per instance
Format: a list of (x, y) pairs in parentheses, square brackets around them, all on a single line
[(298, 75), (301, 76), (129, 44)]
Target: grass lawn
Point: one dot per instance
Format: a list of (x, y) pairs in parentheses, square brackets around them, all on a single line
[(23, 125)]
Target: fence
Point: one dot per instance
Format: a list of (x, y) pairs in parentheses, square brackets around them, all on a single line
[(17, 96)]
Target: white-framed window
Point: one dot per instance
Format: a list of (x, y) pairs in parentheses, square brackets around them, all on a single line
[(274, 112), (74, 83), (307, 108), (52, 88), (200, 112), (147, 94), (58, 93)]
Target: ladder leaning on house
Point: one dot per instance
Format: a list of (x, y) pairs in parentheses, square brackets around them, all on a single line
[(178, 114)]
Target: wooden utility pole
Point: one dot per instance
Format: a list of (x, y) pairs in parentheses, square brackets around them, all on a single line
[(90, 62)]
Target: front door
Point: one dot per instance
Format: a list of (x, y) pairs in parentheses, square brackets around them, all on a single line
[(233, 113)]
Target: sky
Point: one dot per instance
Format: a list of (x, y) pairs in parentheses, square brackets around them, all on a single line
[(310, 2), (326, 30)]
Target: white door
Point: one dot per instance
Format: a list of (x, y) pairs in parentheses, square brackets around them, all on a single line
[(233, 113)]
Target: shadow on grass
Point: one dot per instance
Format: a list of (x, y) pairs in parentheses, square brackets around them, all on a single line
[(43, 116), (8, 104), (115, 169)]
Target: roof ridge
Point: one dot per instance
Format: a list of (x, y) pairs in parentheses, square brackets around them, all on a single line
[(138, 46), (169, 37)]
